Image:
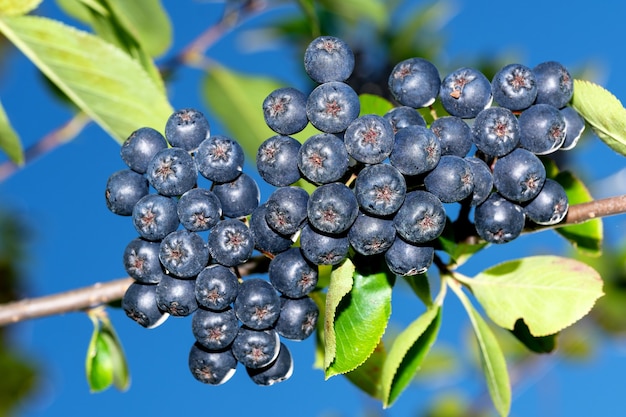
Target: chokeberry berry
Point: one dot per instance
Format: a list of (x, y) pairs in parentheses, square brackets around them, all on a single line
[(186, 128)]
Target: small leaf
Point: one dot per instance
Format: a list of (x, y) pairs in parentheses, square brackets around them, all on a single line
[(537, 344), (360, 320), (407, 354), (105, 364), (548, 292), (373, 104), (604, 113), (9, 141), (491, 357), (586, 237), (356, 11), (340, 285), (108, 85), (17, 7)]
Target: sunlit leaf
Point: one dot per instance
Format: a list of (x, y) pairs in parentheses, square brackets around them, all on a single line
[(548, 292), (356, 11), (603, 111), (17, 7), (104, 82), (587, 236), (421, 287), (9, 141), (360, 320), (407, 354), (492, 358)]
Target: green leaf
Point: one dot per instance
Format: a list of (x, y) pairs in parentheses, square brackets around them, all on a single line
[(106, 363), (491, 356), (341, 280), (9, 141), (548, 292), (373, 104), (360, 320), (460, 252), (104, 82), (17, 7), (537, 344), (604, 113), (407, 354), (586, 237)]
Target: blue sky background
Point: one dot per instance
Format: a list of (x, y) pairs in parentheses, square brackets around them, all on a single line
[(76, 241)]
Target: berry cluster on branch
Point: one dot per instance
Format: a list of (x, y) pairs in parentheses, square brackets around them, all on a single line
[(382, 186)]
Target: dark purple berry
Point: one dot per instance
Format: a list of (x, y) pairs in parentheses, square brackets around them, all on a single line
[(176, 296), (214, 330), (172, 171), (483, 180), (298, 318), (140, 304), (219, 159), (452, 179), (421, 218), (416, 150), (514, 87), (211, 367), (332, 208), (555, 85), (123, 190), (465, 93), (574, 127), (277, 371), (403, 116), (257, 304), (284, 110), (405, 258), (371, 235), (155, 216), (332, 106), (414, 82), (184, 253), (286, 209), (496, 131), (141, 261), (455, 136), (369, 139), (266, 239), (498, 220), (256, 348), (199, 209), (323, 158), (323, 249), (549, 206), (186, 128), (328, 58), (216, 287), (140, 147), (239, 197), (291, 274), (519, 176), (380, 189), (542, 129), (277, 160), (231, 242)]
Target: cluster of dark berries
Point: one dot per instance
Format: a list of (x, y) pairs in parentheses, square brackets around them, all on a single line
[(191, 241), (383, 181)]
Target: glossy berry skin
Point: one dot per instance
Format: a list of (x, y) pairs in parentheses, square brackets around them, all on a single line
[(328, 58), (219, 159), (291, 274), (211, 367), (172, 171), (555, 85), (406, 259), (256, 348), (216, 287), (414, 82), (214, 330), (514, 87), (496, 131), (155, 216), (141, 261), (371, 235), (574, 127), (332, 208), (257, 304), (176, 296), (421, 218), (455, 136), (239, 197), (323, 158), (186, 128), (519, 176), (266, 239), (279, 370), (416, 150), (550, 206), (298, 318), (277, 160), (323, 249), (380, 189), (542, 128), (140, 147), (184, 253), (465, 93), (498, 220), (369, 139), (230, 242), (403, 116), (284, 110), (452, 179), (139, 303), (483, 180), (199, 209), (332, 106), (123, 190), (286, 209)]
